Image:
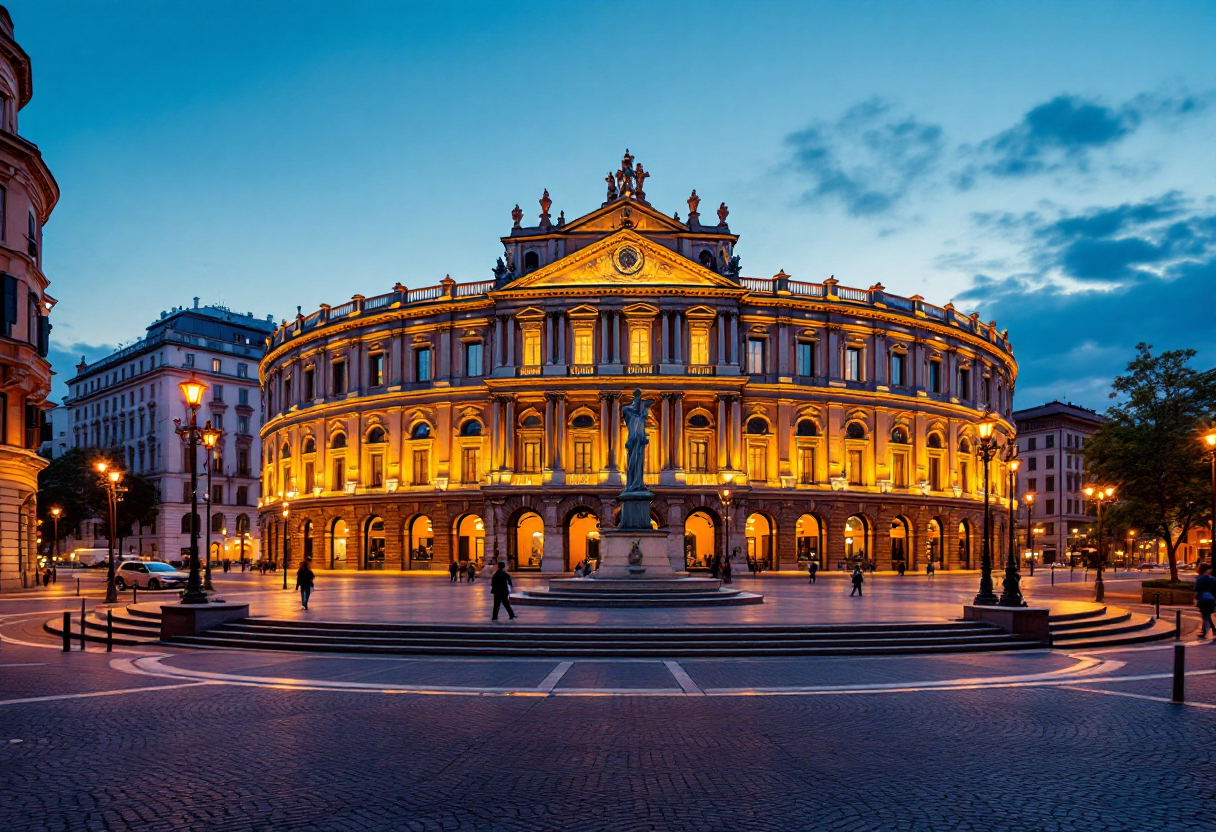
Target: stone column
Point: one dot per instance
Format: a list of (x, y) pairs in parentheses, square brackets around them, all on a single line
[(677, 432), (736, 433), (664, 431), (603, 461), (509, 440), (510, 341), (560, 433), (616, 337), (554, 559), (546, 337), (679, 338), (550, 429), (604, 355), (734, 339), (561, 337), (723, 432), (665, 339), (495, 437), (722, 338), (496, 344)]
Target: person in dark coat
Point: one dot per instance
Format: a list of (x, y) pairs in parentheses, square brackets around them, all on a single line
[(453, 571), (500, 588), (812, 570), (304, 582), (1205, 598), (902, 568), (726, 569), (858, 579)]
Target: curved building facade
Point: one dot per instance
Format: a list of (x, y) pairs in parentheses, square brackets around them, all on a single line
[(483, 420), (28, 194)]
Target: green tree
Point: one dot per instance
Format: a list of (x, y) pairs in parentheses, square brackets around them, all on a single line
[(1149, 449), (72, 483), (136, 505)]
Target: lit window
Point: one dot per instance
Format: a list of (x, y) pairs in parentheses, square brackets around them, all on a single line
[(639, 345), (583, 346), (698, 346), (582, 457), (532, 348), (217, 366), (698, 456), (852, 364), (806, 466), (757, 461), (755, 355)]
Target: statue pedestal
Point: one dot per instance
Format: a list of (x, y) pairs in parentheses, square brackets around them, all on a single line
[(616, 545), (635, 510)]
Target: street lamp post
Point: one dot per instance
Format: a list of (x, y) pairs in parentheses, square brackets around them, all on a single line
[(988, 448), (192, 389), (1209, 439), (55, 512), (1011, 594), (210, 437), (1102, 494), (109, 481), (1028, 498), (286, 509), (1131, 548), (727, 502)]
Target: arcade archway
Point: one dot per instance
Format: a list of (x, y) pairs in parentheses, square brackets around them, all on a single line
[(808, 537), (529, 541), (582, 537), (761, 536), (470, 533), (700, 540), (422, 542)]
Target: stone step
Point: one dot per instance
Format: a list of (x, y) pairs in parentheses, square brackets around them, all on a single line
[(683, 599), (1155, 631), (1091, 611), (95, 632), (1129, 624), (1082, 623)]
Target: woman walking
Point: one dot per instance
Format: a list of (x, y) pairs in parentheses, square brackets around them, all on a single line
[(304, 582), (1205, 598)]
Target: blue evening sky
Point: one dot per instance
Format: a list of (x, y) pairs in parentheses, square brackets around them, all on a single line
[(1049, 164)]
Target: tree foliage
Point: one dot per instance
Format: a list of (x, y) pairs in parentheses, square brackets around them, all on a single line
[(72, 483), (1149, 447)]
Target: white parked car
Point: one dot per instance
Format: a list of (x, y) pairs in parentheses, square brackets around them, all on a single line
[(149, 575)]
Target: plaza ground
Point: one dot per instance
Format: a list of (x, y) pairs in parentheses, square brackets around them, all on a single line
[(173, 738)]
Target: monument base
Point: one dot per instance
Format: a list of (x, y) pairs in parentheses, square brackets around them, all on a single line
[(617, 545)]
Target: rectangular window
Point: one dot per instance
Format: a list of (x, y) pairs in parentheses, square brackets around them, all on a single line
[(806, 359), (856, 459), (375, 476), (375, 369), (897, 369), (339, 378), (1051, 440), (1033, 485), (217, 392), (189, 359), (698, 456), (339, 481), (755, 355), (582, 456), (242, 495), (1051, 529), (757, 462), (242, 371), (217, 421), (964, 475), (584, 346), (1051, 461), (242, 425), (217, 366), (1032, 444), (852, 364), (422, 365), (422, 467), (698, 346), (242, 396), (899, 470), (288, 401), (242, 463), (310, 477), (470, 464), (639, 345), (310, 387), (532, 348), (1051, 484), (935, 473), (217, 495), (935, 376), (964, 383), (1051, 506), (1032, 464), (806, 465), (531, 460), (473, 360)]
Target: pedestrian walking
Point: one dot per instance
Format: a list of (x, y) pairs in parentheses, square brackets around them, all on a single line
[(929, 570), (1205, 598), (858, 579), (726, 571), (500, 588), (304, 581), (715, 567), (471, 571), (453, 568), (812, 570), (901, 568)]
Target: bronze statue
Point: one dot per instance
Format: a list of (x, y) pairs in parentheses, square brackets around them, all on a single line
[(641, 175), (611, 180), (635, 443), (625, 177)]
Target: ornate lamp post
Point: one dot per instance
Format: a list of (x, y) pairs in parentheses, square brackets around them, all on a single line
[(1028, 499), (55, 512), (727, 502), (193, 390), (988, 448), (1011, 593), (1131, 548), (286, 510), (210, 437), (109, 481), (1209, 442), (1101, 494)]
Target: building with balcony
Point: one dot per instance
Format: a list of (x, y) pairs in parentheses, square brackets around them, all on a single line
[(125, 405), (28, 194), (483, 420)]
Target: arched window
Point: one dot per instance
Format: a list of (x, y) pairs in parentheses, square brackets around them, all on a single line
[(935, 441), (471, 428), (217, 523), (698, 420), (186, 522), (338, 442), (706, 258), (899, 436), (532, 421), (582, 420), (285, 452), (531, 261), (421, 431), (310, 445), (807, 427), (757, 426), (855, 430), (964, 447), (375, 436), (242, 523)]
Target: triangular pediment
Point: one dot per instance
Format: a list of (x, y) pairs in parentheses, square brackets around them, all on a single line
[(624, 213), (624, 259)]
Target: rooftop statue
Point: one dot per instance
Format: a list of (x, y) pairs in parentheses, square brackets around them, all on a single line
[(625, 181)]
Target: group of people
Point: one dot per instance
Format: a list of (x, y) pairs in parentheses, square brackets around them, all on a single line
[(720, 567), (457, 572)]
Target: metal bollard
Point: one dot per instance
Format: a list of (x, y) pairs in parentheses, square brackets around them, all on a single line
[(78, 587), (1157, 596), (109, 631), (67, 632), (1177, 625), (1053, 576), (134, 595), (1179, 694), (81, 623)]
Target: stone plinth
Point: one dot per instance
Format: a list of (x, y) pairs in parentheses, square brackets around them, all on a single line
[(616, 544), (1031, 622), (192, 619), (635, 510)]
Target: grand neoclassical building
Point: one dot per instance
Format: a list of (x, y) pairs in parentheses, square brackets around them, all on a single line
[(481, 420)]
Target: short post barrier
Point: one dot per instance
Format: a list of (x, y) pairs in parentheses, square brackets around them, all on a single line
[(109, 631), (78, 587), (134, 595), (1157, 596), (1179, 693), (67, 632), (82, 624), (1053, 575), (1177, 625)]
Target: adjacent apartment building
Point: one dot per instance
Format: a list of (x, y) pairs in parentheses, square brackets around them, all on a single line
[(126, 404), (28, 194), (1051, 438)]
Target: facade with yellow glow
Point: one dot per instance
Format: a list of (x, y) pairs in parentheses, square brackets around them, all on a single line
[(481, 420)]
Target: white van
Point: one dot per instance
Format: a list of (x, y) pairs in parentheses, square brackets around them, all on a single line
[(91, 557)]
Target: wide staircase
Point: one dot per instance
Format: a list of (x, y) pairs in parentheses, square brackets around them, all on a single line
[(1089, 628)]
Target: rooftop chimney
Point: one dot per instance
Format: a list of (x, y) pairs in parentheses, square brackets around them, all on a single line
[(196, 303)]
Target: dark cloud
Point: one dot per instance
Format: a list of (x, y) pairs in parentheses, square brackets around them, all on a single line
[(1063, 133), (868, 159), (1145, 272)]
